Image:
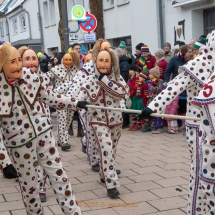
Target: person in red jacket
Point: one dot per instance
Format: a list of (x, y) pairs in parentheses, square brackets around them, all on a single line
[(146, 61), (161, 62)]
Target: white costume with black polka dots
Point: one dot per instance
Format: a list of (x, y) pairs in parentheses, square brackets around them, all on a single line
[(206, 103), (192, 78), (73, 88), (27, 134), (62, 75), (106, 124)]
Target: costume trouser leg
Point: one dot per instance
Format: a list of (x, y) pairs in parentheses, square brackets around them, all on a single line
[(107, 140), (63, 136), (195, 194), (42, 150), (42, 177), (92, 148)]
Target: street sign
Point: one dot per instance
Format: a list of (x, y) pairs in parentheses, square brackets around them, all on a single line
[(90, 38), (90, 24), (73, 37), (78, 13)]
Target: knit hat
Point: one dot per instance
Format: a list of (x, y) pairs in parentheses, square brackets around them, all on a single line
[(202, 39), (132, 67), (167, 44), (144, 75), (39, 54), (144, 48), (155, 72), (181, 43), (160, 53), (138, 46), (122, 45)]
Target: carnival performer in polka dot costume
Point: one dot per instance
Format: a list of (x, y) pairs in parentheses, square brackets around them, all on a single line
[(30, 60), (27, 131), (192, 77), (105, 88), (63, 73)]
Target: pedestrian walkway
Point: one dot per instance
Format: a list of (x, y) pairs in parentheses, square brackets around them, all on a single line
[(154, 179)]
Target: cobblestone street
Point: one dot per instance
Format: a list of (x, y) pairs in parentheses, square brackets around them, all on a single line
[(154, 179)]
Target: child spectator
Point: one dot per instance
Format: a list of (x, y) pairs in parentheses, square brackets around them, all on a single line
[(132, 84), (155, 86), (172, 108), (146, 61), (161, 62)]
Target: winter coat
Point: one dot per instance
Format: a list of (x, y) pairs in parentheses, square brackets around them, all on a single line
[(133, 86), (172, 68), (172, 108), (162, 64), (168, 56), (44, 65), (124, 67)]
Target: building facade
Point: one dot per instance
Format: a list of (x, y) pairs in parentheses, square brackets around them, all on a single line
[(35, 22), (188, 19), (20, 23)]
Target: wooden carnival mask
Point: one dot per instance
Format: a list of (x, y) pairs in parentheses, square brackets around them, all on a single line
[(30, 60), (13, 65), (103, 62), (88, 57), (104, 45), (68, 60)]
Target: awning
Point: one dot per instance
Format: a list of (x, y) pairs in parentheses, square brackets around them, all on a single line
[(184, 3)]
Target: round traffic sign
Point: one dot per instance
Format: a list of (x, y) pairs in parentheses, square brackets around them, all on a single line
[(78, 12), (90, 24)]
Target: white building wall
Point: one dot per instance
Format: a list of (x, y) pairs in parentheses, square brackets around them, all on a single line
[(193, 16), (137, 19)]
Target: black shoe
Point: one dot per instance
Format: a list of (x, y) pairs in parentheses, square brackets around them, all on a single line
[(102, 180), (118, 171), (125, 126), (113, 193), (65, 146), (96, 168)]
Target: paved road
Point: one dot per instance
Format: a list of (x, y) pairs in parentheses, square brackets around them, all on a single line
[(153, 167)]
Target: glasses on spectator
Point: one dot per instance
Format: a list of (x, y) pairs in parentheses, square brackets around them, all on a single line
[(77, 49)]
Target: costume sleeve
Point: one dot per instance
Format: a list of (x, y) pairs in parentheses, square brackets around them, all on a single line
[(45, 81), (180, 83), (115, 89), (4, 157), (63, 88), (50, 74), (77, 83), (55, 100), (169, 70)]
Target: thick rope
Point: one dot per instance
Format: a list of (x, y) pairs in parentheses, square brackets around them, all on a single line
[(139, 112)]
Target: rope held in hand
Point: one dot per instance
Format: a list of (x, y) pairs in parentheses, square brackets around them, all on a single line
[(139, 112)]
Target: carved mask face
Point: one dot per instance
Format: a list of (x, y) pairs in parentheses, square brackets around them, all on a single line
[(30, 60), (103, 62), (87, 58), (105, 45), (13, 65), (67, 60)]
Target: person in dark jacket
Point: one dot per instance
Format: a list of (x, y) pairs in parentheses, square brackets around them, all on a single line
[(138, 52), (124, 67), (172, 71), (44, 63)]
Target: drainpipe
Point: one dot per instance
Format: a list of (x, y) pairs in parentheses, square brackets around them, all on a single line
[(160, 23), (8, 30), (40, 24), (29, 24)]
